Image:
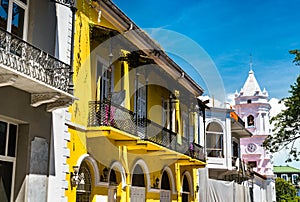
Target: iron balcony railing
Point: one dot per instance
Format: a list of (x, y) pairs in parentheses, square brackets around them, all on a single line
[(26, 59), (109, 114)]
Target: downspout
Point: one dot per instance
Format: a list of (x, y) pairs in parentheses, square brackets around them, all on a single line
[(71, 84)]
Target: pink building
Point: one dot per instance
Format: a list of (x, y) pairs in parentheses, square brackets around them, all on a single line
[(252, 105)]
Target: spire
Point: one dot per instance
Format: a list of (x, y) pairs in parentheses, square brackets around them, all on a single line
[(251, 86), (251, 63)]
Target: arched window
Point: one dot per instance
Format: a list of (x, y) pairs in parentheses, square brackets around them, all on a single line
[(214, 140), (250, 120), (83, 191), (138, 178)]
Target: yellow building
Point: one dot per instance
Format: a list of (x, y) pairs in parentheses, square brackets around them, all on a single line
[(136, 125)]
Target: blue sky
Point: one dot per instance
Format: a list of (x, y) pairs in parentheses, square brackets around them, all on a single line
[(229, 30)]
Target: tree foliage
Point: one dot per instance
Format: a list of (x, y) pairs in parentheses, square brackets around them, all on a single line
[(287, 122), (285, 191)]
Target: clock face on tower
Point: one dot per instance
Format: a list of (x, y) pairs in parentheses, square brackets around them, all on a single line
[(251, 147)]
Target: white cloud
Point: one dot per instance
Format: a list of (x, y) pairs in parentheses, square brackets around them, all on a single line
[(230, 99), (276, 108)]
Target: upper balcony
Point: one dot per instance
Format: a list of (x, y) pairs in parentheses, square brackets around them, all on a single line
[(28, 68), (108, 114)]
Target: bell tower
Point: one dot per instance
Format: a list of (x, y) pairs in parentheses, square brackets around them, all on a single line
[(252, 105)]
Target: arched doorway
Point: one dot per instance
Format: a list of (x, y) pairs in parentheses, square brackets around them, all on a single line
[(138, 191), (185, 189), (113, 186), (165, 192), (83, 190)]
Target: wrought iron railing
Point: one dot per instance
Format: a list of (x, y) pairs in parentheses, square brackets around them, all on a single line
[(110, 114), (23, 57)]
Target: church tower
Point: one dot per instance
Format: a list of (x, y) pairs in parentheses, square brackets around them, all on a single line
[(252, 105)]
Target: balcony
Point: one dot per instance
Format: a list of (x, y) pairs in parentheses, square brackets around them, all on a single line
[(30, 69), (112, 115)]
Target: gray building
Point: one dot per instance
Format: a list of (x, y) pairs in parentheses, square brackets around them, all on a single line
[(35, 81)]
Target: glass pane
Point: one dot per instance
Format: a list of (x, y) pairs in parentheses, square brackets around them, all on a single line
[(17, 20), (5, 180), (3, 129), (24, 1), (12, 140), (3, 13)]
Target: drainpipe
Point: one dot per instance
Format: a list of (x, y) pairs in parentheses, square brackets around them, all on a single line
[(71, 84)]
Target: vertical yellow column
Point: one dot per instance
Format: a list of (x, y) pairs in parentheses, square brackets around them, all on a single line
[(128, 187), (195, 184), (126, 83), (178, 181)]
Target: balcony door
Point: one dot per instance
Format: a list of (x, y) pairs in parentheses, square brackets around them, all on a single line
[(13, 16), (102, 81)]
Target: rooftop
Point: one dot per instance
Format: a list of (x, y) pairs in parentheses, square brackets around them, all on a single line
[(285, 169)]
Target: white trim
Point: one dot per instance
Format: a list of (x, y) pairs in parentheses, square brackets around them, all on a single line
[(190, 181), (118, 165), (171, 177), (144, 166), (284, 175)]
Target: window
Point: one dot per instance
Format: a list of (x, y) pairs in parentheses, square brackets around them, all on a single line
[(250, 120), (8, 139), (235, 149), (12, 16), (214, 140), (252, 164), (295, 179), (249, 101), (102, 81), (284, 176), (140, 106)]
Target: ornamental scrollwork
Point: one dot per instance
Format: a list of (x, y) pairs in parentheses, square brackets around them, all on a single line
[(33, 62)]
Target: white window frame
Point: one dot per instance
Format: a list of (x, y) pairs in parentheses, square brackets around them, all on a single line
[(285, 177), (104, 78), (222, 135), (9, 16), (293, 180), (9, 158)]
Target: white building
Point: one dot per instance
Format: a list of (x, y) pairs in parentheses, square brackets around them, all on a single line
[(225, 173), (252, 105)]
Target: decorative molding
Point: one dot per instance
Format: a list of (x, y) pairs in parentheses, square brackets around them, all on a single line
[(38, 99), (7, 79), (60, 103)]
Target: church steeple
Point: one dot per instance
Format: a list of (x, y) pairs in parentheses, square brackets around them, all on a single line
[(251, 87)]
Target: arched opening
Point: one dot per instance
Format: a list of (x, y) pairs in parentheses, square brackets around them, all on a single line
[(83, 191), (165, 181), (214, 140), (185, 189), (165, 192), (114, 182), (250, 120), (138, 191), (138, 178)]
